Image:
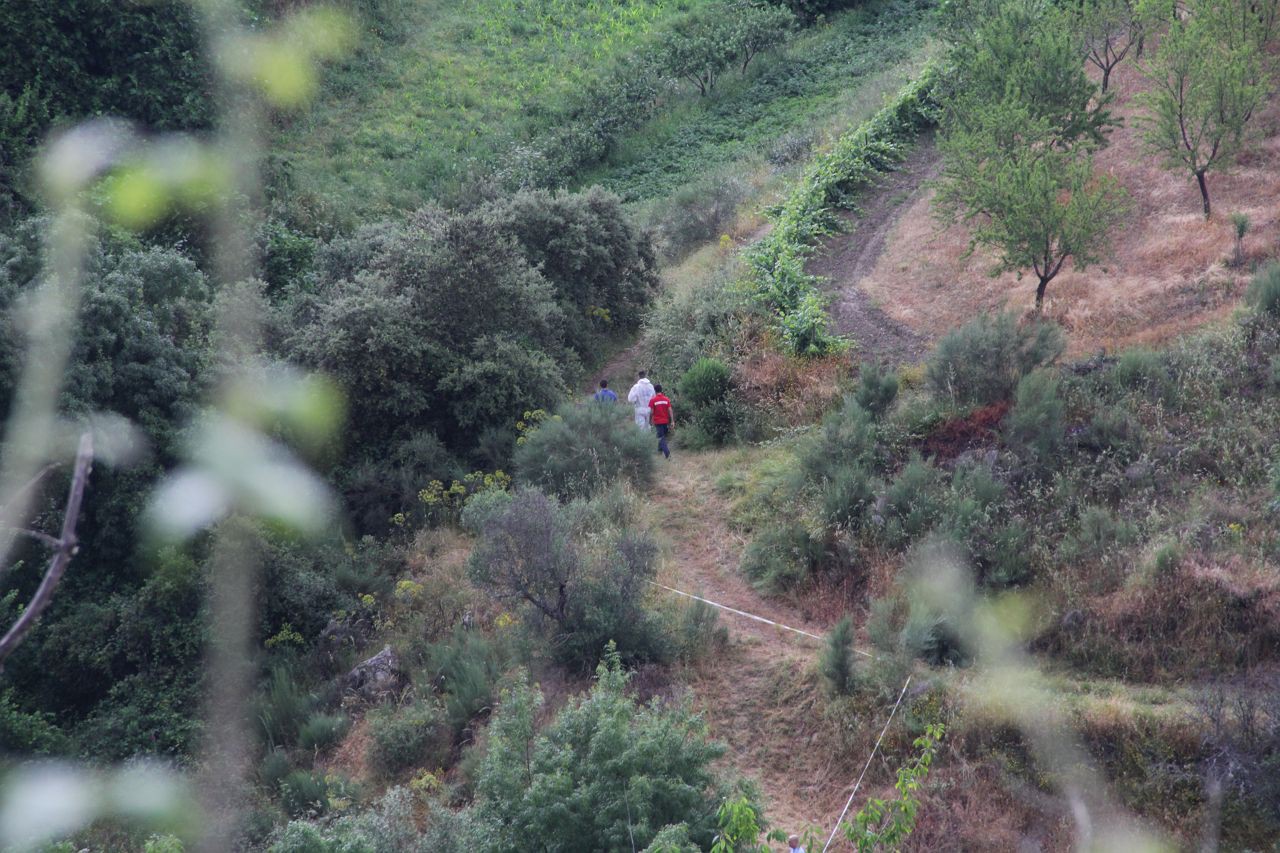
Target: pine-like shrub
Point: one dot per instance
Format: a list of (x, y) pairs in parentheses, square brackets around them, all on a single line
[(836, 662), (982, 361), (877, 389), (1034, 426)]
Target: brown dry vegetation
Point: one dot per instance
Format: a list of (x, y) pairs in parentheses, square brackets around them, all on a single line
[(1169, 271)]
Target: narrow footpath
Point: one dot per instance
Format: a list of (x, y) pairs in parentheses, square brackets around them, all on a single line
[(760, 696)]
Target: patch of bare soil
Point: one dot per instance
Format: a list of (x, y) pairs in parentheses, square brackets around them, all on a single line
[(1169, 271), (846, 258)]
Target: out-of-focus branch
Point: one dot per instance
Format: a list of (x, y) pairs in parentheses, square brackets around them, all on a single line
[(50, 329), (64, 548)]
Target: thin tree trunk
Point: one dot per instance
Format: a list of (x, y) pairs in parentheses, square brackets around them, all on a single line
[(1204, 192), (1106, 78), (1044, 282)]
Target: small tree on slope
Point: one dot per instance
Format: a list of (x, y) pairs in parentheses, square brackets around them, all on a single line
[(1206, 87)]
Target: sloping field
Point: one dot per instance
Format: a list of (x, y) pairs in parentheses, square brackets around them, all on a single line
[(1169, 272)]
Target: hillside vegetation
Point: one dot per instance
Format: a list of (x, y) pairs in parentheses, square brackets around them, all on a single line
[(311, 540)]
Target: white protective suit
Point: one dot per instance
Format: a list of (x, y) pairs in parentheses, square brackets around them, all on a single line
[(639, 396)]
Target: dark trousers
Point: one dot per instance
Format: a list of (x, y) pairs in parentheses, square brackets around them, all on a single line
[(662, 439)]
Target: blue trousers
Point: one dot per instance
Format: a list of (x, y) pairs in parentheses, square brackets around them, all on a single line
[(662, 439)]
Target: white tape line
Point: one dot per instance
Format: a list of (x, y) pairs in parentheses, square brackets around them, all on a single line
[(870, 757), (746, 614)]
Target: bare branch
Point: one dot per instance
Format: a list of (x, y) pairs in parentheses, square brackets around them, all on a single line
[(65, 548), (40, 537)]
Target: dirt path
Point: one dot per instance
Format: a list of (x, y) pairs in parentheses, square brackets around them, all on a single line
[(846, 258), (760, 695)]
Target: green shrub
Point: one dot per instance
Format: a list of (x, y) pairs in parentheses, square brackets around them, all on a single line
[(846, 498), (846, 441), (707, 381), (704, 391), (407, 737), (1112, 431), (575, 601), (1167, 559), (912, 503), (780, 557), (1034, 426), (836, 662), (698, 632), (1139, 368), (1098, 533), (1264, 291), (283, 707), (983, 361), (584, 449), (1004, 558), (28, 733), (599, 745), (699, 212), (481, 507), (672, 839), (163, 844), (322, 731), (303, 792), (465, 670), (273, 768), (877, 389), (931, 637)]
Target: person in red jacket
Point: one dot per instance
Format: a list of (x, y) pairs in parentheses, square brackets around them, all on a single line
[(662, 417)]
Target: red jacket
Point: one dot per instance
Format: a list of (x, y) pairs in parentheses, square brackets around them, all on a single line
[(660, 408)]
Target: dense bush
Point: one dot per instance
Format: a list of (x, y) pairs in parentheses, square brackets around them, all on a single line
[(1034, 426), (780, 556), (453, 324), (565, 785), (576, 600), (983, 361), (404, 737), (846, 441), (322, 731), (913, 503), (705, 390), (584, 449), (465, 670), (846, 496)]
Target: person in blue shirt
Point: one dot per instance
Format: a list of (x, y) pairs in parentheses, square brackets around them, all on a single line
[(604, 395)]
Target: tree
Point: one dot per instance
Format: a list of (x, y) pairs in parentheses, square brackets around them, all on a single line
[(1033, 202), (836, 662), (575, 601), (1024, 52), (606, 774), (885, 824), (754, 29), (1205, 89), (1109, 29)]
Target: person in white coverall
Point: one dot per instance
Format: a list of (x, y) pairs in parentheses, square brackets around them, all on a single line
[(639, 397)]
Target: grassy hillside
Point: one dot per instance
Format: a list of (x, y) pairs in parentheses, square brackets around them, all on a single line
[(456, 85), (461, 84)]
